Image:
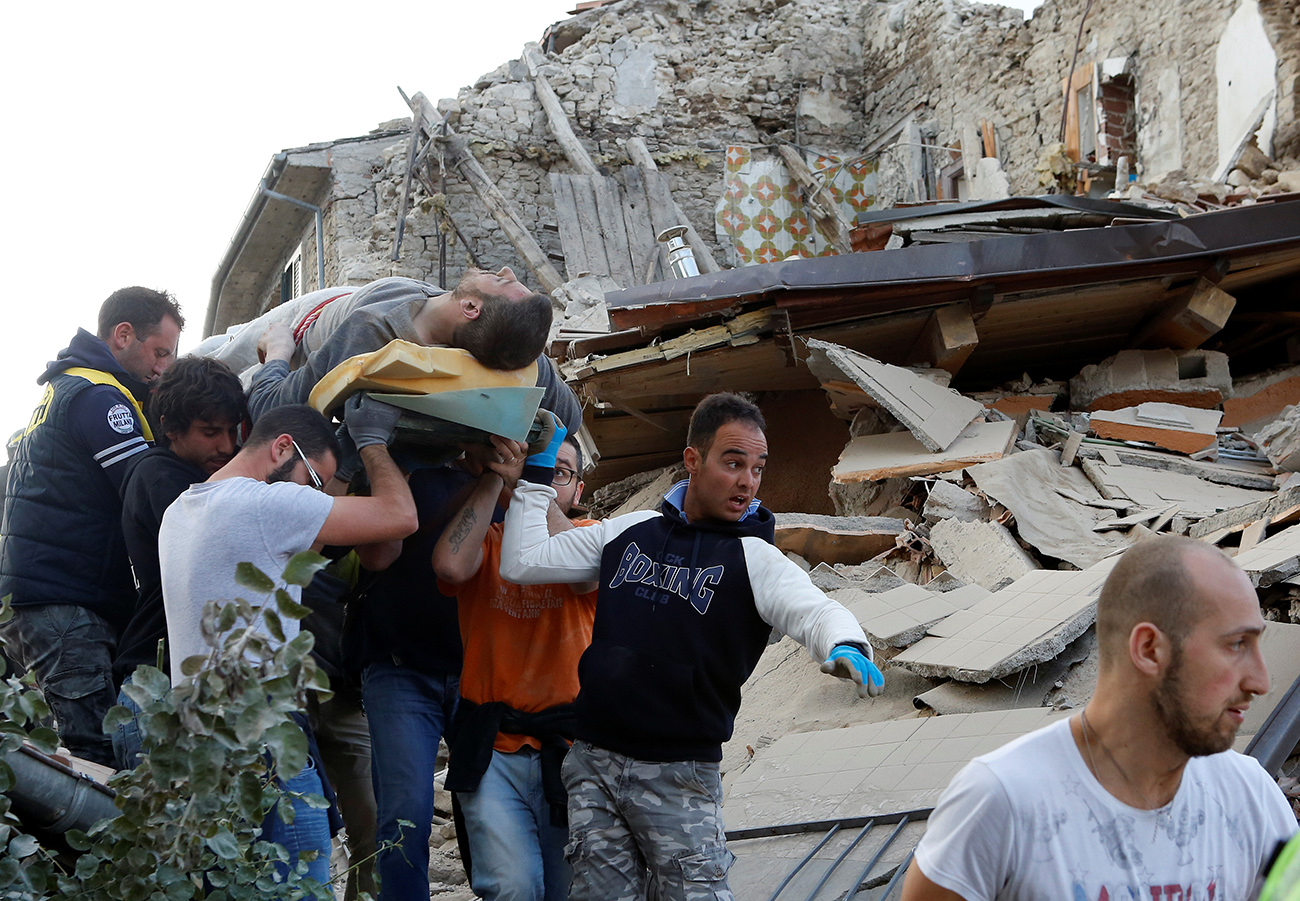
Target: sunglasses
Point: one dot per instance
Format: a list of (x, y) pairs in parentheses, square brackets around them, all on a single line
[(315, 479)]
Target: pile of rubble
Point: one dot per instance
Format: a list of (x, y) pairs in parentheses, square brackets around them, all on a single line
[(1253, 176)]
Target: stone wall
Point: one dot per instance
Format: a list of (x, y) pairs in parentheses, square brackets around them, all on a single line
[(877, 77)]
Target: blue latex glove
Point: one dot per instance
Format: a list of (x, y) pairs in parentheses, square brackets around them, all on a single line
[(540, 465), (848, 662)]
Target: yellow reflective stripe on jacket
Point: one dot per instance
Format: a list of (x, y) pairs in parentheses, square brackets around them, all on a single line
[(97, 377)]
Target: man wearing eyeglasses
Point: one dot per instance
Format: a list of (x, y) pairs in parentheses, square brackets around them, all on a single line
[(517, 685), (264, 506)]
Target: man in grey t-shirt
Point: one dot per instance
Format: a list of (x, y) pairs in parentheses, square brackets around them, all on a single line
[(261, 508)]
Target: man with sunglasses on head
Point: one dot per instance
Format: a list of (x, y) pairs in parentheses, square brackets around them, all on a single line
[(518, 682), (262, 507)]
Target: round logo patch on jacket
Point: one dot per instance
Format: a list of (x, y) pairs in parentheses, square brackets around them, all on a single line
[(121, 419)]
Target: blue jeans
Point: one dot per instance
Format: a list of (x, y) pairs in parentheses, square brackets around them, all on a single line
[(309, 831), (70, 649), (128, 744), (408, 712), (518, 855)]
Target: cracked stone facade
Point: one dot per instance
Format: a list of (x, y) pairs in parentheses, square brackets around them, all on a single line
[(903, 81)]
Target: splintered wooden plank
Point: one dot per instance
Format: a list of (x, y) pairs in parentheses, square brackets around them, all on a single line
[(566, 214), (934, 414), (642, 246), (593, 236), (609, 209)]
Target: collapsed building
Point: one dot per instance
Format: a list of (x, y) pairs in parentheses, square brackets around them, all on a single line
[(1012, 295)]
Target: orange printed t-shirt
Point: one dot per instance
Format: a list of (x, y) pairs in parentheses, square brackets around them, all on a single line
[(522, 642)]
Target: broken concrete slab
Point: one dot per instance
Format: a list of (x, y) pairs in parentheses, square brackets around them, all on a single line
[(895, 618), (1028, 622), (1193, 378), (1272, 508), (935, 415), (1280, 440), (1255, 475), (1272, 560), (877, 457), (1196, 498), (947, 501), (1186, 430), (1257, 400), (1051, 505), (980, 553), (836, 539), (1141, 517), (870, 769), (1027, 688), (963, 597)]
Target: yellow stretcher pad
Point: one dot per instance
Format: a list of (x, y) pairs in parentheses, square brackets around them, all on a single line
[(400, 367)]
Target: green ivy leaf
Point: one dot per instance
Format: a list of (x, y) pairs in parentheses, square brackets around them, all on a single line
[(289, 607), (226, 618), (302, 568), (117, 716), (6, 776), (273, 624), (77, 840), (23, 846), (288, 745), (249, 576), (152, 680), (45, 739), (191, 665), (87, 864), (253, 722), (224, 845)]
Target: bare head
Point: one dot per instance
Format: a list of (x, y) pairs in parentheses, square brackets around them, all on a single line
[(505, 323), (1178, 629), (141, 328), (199, 405)]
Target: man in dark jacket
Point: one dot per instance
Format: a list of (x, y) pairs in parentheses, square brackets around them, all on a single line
[(687, 599), (198, 407), (62, 557)]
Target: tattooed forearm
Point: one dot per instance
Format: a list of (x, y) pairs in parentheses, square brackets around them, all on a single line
[(461, 530)]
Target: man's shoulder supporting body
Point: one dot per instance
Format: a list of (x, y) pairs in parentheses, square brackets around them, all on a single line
[(1029, 821), (685, 612)]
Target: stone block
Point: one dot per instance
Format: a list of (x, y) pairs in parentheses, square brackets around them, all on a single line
[(1280, 441), (947, 501), (982, 553), (1193, 378), (1289, 180)]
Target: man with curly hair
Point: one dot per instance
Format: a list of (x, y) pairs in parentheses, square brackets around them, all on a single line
[(197, 408)]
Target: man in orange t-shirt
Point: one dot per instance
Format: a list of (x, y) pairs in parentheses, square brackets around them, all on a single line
[(517, 684)]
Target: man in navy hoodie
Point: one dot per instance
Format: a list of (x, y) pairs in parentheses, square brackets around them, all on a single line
[(687, 599), (62, 557)]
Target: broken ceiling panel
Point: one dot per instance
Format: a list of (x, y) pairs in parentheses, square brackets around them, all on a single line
[(871, 458), (984, 554), (1273, 559), (934, 414), (1172, 426), (898, 617), (1028, 622), (1041, 494), (836, 539), (1196, 498), (871, 769)]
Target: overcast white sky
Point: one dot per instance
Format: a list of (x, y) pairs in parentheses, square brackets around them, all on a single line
[(139, 130)]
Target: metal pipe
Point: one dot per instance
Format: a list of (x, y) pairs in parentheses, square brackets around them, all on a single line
[(898, 875), (839, 860), (807, 857), (875, 858), (49, 796), (738, 835), (320, 229), (1279, 733)]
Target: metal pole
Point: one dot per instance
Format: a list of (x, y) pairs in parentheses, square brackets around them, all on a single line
[(320, 229)]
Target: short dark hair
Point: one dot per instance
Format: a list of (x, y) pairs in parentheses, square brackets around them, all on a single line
[(717, 410), (572, 441), (144, 308), (1152, 583), (309, 428), (196, 388), (507, 334)]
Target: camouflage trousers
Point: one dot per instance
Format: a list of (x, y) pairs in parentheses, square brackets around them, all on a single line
[(639, 829)]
